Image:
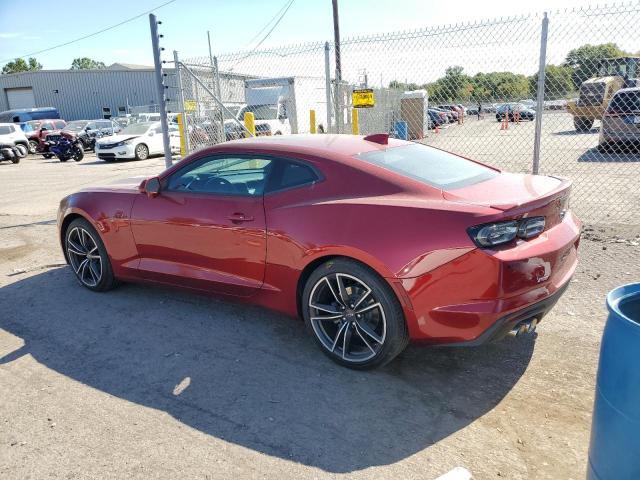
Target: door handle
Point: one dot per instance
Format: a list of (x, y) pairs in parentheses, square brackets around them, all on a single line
[(240, 217)]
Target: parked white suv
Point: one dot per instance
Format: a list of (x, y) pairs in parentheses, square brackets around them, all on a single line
[(12, 134), (136, 141)]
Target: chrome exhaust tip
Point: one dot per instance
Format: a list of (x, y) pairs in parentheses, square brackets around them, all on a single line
[(527, 326)]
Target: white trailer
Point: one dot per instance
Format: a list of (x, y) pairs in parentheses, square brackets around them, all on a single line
[(281, 105)]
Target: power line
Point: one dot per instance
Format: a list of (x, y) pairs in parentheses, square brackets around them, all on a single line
[(265, 37), (267, 24), (91, 34)]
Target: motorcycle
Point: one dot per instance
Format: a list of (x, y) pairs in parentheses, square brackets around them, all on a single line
[(65, 146), (12, 153)]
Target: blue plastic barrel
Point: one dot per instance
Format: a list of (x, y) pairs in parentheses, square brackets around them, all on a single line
[(402, 130), (614, 452)]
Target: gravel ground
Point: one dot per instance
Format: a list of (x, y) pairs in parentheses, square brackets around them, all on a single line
[(143, 382)]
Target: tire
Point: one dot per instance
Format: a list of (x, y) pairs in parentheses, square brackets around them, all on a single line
[(63, 159), (582, 124), (23, 150), (78, 153), (364, 315), (88, 256), (33, 146), (15, 159), (142, 151)]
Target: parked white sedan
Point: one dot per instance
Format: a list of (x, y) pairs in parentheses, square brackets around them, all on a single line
[(136, 141)]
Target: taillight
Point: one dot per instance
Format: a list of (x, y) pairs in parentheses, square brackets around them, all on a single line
[(530, 227), (499, 233), (493, 234)]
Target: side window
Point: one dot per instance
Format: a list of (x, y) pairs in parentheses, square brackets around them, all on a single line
[(47, 125), (59, 125), (293, 174), (223, 176)]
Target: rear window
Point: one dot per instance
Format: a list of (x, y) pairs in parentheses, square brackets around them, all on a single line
[(625, 102), (429, 165), (5, 129)]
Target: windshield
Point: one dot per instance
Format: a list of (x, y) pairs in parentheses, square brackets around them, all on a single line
[(135, 129), (429, 165), (75, 126), (625, 102), (260, 112)]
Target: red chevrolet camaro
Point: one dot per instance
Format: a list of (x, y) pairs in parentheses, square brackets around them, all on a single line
[(375, 242)]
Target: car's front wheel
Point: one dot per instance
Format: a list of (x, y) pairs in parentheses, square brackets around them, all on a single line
[(33, 146), (142, 152), (354, 315), (88, 256)]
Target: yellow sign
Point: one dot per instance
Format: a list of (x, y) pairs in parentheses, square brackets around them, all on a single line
[(362, 98), (190, 105)]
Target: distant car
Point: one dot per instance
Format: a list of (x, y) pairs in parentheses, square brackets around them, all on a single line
[(12, 135), (512, 110), (449, 115), (137, 141), (621, 120), (37, 131), (88, 131), (436, 118), (23, 115), (528, 103), (454, 109)]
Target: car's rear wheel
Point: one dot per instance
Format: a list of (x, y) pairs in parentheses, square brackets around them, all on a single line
[(88, 256), (142, 152), (354, 315)]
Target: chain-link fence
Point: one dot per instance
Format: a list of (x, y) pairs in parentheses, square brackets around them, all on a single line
[(476, 89)]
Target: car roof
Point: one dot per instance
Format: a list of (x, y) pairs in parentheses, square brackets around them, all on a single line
[(340, 147), (631, 89)]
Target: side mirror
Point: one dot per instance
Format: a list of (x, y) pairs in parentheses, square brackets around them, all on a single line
[(44, 129), (151, 187), (87, 128)]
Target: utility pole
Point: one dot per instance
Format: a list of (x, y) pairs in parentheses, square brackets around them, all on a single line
[(160, 87), (336, 41)]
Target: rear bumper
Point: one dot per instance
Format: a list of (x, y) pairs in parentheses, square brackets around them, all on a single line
[(507, 323), (480, 296)]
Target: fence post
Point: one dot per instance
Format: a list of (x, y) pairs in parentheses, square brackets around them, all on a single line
[(223, 135), (185, 120), (540, 99), (157, 62), (327, 76)]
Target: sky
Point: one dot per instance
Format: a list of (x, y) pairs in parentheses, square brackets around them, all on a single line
[(232, 23)]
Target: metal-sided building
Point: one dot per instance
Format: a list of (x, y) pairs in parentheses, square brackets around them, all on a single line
[(87, 94)]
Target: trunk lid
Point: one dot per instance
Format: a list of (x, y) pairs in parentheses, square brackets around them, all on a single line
[(518, 195)]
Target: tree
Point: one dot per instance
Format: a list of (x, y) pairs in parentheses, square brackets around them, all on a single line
[(499, 86), (86, 63), (20, 65), (558, 82), (454, 86), (584, 60)]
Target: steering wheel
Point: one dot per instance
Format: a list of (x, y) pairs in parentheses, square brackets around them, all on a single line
[(218, 181)]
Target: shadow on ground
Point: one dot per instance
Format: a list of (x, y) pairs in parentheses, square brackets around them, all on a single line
[(574, 132), (252, 377), (611, 155)]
